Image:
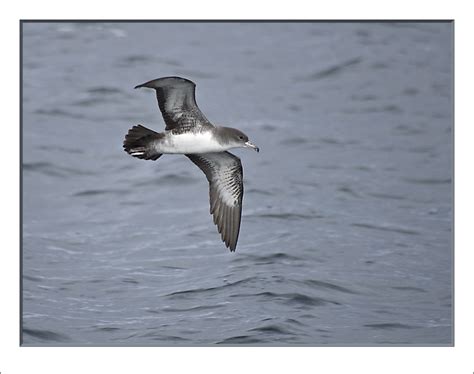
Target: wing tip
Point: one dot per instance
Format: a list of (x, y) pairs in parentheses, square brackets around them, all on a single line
[(232, 246), (228, 225)]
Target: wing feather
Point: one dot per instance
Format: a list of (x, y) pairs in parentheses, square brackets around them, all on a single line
[(177, 103), (224, 172)]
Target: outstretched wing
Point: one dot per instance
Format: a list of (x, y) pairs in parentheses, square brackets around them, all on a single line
[(224, 173), (177, 102)]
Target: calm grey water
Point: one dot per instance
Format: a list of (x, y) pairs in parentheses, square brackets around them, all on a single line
[(347, 218)]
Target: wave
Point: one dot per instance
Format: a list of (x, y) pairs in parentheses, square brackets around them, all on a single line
[(193, 309), (209, 289), (242, 339), (46, 335), (408, 288), (331, 286), (292, 298), (331, 71), (271, 258), (273, 329), (47, 168), (88, 193), (55, 112), (389, 326), (428, 180), (399, 230), (289, 216)]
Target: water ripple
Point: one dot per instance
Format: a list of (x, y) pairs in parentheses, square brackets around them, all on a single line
[(270, 258), (408, 288), (387, 196), (331, 70), (58, 113), (53, 170), (32, 278), (104, 90), (389, 326), (288, 216), (428, 180), (293, 298), (273, 329), (193, 309), (400, 230), (241, 339), (88, 193), (108, 329), (55, 147), (170, 179), (205, 290), (331, 286), (46, 335)]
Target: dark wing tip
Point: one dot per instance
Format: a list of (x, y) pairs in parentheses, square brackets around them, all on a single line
[(228, 221), (232, 246)]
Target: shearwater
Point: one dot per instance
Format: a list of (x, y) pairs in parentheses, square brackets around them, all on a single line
[(190, 133)]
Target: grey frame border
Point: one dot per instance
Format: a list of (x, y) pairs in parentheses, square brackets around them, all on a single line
[(453, 315)]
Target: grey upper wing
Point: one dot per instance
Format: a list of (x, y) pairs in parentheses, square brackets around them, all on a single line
[(224, 173), (177, 102)]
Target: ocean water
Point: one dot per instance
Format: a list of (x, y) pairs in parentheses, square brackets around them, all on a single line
[(346, 235)]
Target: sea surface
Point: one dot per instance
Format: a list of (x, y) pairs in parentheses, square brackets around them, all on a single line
[(346, 235)]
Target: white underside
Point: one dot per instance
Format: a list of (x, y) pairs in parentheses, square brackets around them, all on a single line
[(189, 143)]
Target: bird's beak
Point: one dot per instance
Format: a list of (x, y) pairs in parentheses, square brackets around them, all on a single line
[(250, 145), (149, 84)]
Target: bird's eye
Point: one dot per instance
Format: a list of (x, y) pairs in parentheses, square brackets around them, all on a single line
[(241, 137)]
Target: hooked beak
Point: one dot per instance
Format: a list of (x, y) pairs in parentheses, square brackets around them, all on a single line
[(147, 84), (250, 145)]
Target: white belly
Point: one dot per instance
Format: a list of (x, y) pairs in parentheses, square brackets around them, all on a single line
[(189, 143)]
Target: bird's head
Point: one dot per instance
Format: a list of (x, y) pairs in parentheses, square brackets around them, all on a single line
[(235, 138)]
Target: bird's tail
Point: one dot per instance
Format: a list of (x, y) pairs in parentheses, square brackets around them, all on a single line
[(139, 143)]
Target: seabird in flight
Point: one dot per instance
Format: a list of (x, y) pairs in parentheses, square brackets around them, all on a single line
[(190, 133)]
